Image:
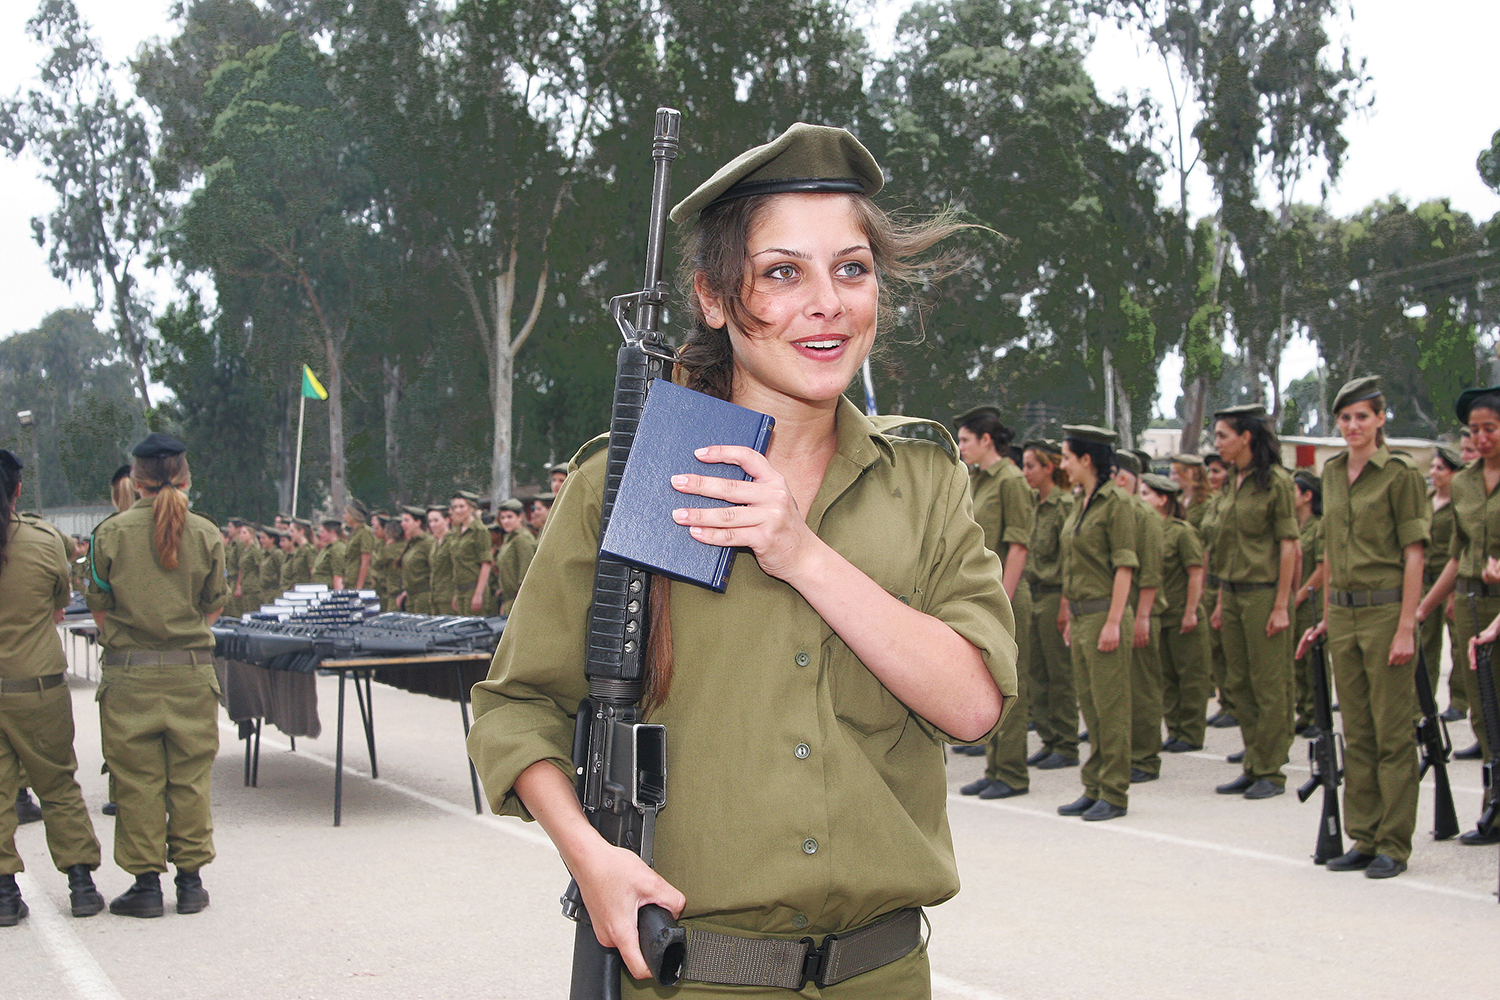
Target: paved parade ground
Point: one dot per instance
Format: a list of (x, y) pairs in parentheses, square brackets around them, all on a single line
[(1191, 895)]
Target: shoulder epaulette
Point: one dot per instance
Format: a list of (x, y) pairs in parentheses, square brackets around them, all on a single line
[(1404, 459), (93, 547), (889, 423), (590, 448)]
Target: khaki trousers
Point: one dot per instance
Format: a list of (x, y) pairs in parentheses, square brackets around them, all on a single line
[(160, 729), (1146, 703), (1104, 698), (1005, 756), (1464, 613), (36, 732), (1259, 677), (1186, 684), (1054, 696), (1378, 703)]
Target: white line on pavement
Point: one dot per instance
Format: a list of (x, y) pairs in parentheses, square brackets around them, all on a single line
[(943, 985), (514, 827), (79, 970), (1239, 852), (1304, 769)]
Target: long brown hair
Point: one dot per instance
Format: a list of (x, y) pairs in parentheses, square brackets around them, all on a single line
[(718, 257), (10, 483), (168, 476), (1194, 482)]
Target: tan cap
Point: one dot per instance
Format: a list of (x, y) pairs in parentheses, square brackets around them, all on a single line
[(804, 158)]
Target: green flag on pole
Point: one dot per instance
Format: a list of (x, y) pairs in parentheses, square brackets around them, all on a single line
[(311, 387)]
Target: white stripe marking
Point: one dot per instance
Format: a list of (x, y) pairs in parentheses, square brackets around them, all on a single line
[(1238, 852), (942, 984), (79, 970), (505, 824), (1427, 782)]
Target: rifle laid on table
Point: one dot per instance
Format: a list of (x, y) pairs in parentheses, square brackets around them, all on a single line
[(1432, 738), (621, 761), (1323, 754)]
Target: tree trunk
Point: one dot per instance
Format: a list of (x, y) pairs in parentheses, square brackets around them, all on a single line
[(130, 337), (1194, 412), (395, 383), (338, 472), (1123, 419)]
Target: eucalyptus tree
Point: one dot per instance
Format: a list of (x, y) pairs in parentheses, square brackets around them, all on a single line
[(95, 149)]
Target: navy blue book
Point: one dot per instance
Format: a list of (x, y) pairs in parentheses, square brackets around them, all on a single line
[(675, 423)]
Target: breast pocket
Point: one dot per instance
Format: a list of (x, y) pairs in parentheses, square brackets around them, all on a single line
[(860, 701)]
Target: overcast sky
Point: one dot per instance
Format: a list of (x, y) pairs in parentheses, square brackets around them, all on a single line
[(1433, 83)]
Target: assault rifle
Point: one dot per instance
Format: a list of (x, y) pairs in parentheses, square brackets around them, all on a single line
[(621, 761), (1323, 753), (1432, 737)]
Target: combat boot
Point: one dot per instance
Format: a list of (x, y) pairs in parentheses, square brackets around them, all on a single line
[(12, 906), (85, 899), (27, 811), (141, 900), (191, 896)]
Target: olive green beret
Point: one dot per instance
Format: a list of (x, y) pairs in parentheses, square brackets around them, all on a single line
[(1143, 457), (1467, 398), (358, 508), (1243, 410), (1184, 458), (332, 523), (1357, 391), (978, 411), (1451, 456), (1162, 484), (1309, 481), (302, 522), (545, 498), (1043, 445), (561, 467), (158, 445), (1126, 460), (468, 495), (804, 158), (514, 506), (1090, 433), (439, 507), (417, 512), (237, 522)]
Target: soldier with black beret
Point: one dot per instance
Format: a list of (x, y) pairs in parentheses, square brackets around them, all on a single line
[(157, 584)]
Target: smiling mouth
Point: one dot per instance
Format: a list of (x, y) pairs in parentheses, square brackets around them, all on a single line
[(831, 344)]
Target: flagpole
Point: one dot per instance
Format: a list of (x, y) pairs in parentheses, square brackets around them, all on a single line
[(297, 473)]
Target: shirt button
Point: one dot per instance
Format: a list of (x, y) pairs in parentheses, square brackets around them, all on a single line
[(799, 921), (809, 846), (803, 750), (803, 659)]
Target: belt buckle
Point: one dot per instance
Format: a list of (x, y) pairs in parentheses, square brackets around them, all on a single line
[(816, 961)]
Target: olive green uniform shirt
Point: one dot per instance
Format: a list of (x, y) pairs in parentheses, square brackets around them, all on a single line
[(1044, 554), (147, 607), (1148, 549), (1439, 549), (384, 574), (361, 541), (33, 584), (804, 797), (1181, 551), (511, 566), (329, 563), (1099, 536), (270, 575), (442, 576), (1004, 506), (1368, 524), (232, 550), (416, 565), (250, 561), (300, 564), (471, 551), (1253, 521), (1208, 530)]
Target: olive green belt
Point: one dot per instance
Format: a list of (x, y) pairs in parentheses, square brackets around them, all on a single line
[(1045, 588), (1364, 598), (419, 593), (174, 658), (1080, 608), (29, 685), (741, 961), (1240, 588)]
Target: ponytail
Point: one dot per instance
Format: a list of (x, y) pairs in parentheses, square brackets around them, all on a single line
[(168, 477)]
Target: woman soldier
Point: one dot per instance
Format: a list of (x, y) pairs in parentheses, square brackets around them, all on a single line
[(1256, 563), (1472, 564), (1313, 576), (864, 596), (441, 577), (1446, 461), (1189, 473), (1053, 697), (157, 585), (1099, 563), (416, 563), (1184, 664), (36, 709), (1216, 473), (303, 553), (1375, 522), (1005, 509)]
